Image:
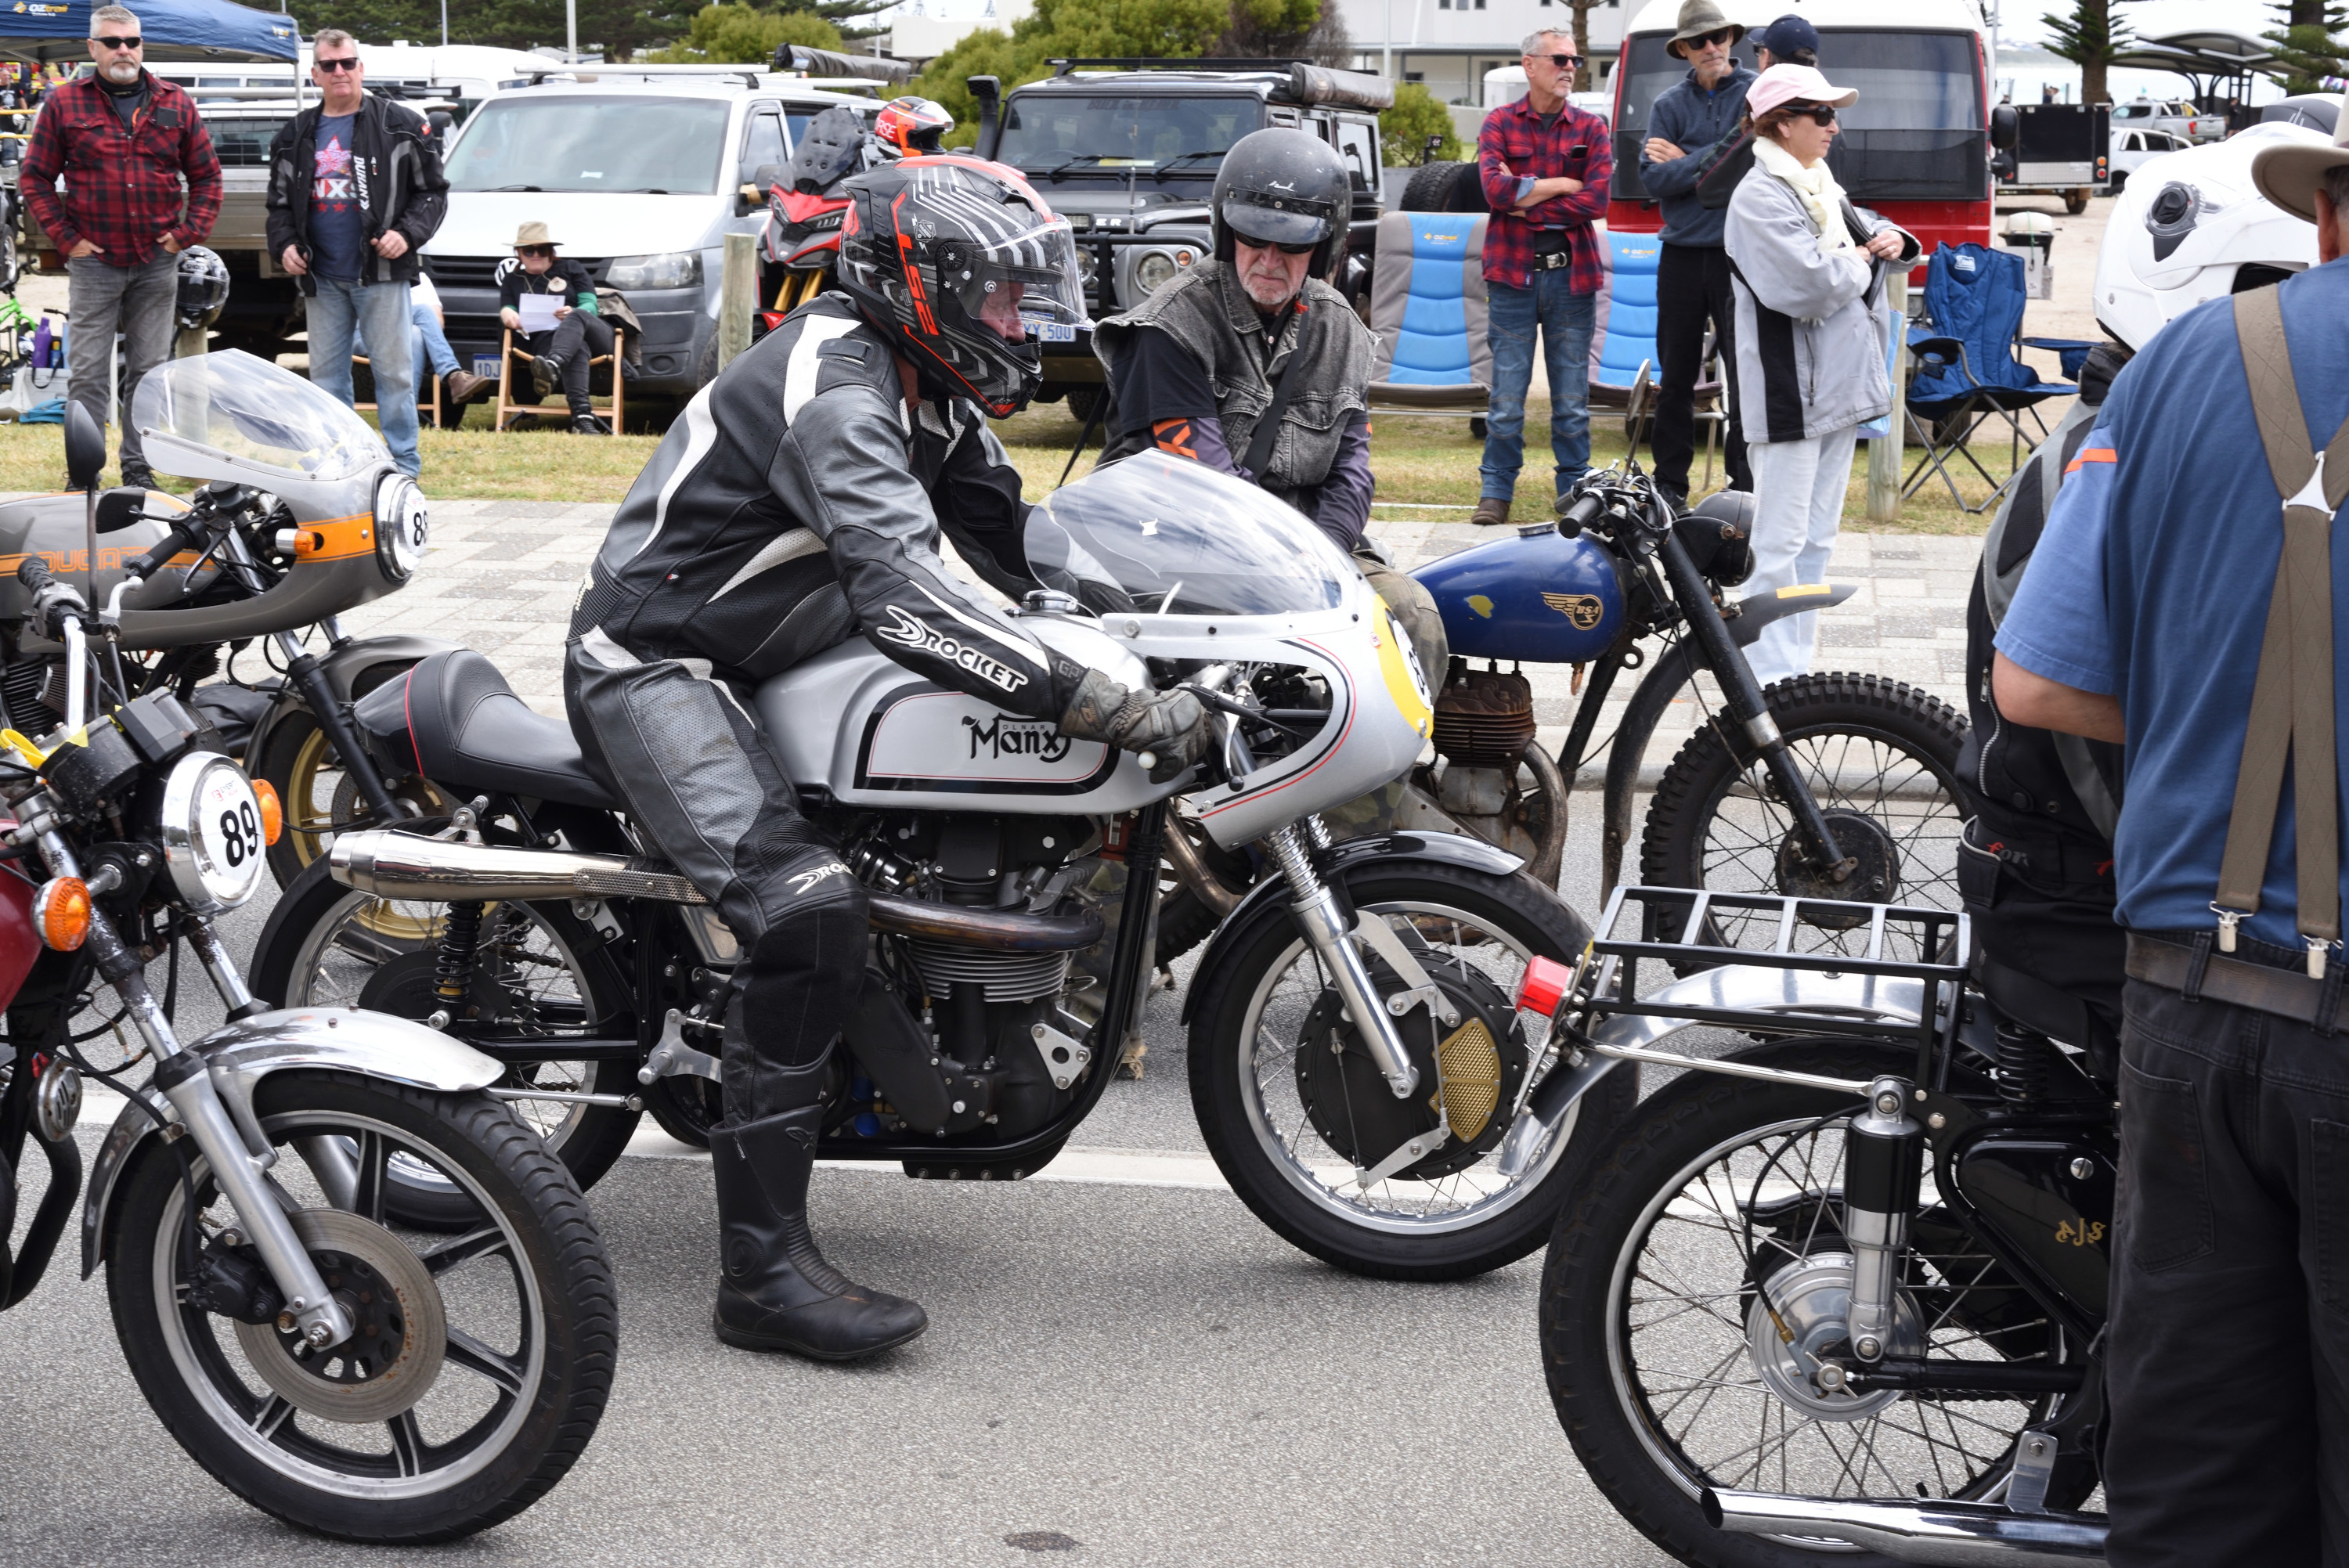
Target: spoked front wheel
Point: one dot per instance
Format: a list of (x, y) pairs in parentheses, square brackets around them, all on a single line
[(1880, 758), (1687, 1296), (1315, 1142), (481, 1362)]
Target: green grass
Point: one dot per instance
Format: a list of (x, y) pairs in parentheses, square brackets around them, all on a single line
[(1419, 461)]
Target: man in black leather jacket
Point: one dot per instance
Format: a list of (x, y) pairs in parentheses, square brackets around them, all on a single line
[(2035, 867), (800, 498)]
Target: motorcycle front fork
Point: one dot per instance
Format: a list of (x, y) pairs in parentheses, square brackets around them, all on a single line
[(238, 1155)]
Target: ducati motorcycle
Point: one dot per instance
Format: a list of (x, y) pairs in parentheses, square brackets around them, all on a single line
[(1836, 1296), (309, 520), (1355, 1060), (1832, 786), (320, 1360), (806, 207)]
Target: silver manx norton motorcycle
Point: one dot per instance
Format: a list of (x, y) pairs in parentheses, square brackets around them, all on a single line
[(1356, 1060)]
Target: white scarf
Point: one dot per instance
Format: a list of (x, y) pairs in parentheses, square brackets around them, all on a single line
[(1822, 197)]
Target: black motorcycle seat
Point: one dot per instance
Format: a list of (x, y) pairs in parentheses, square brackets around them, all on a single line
[(472, 732)]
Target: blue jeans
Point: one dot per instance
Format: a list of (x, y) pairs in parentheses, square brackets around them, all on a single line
[(432, 348), (1565, 321), (345, 315)]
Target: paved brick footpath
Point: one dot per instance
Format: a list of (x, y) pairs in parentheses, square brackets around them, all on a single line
[(500, 577)]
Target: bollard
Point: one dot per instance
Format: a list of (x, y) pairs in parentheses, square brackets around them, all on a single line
[(1884, 453), (737, 296)]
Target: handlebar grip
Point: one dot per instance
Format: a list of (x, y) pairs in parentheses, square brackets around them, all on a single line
[(146, 565), (35, 573), (1581, 515)]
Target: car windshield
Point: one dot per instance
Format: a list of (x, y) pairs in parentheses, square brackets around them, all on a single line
[(1070, 132), (242, 142), (1168, 536), (570, 142), (249, 409)]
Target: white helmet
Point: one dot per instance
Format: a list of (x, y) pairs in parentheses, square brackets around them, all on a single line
[(2190, 226)]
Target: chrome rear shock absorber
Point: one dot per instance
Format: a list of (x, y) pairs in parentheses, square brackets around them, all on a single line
[(452, 967), (1883, 1167)]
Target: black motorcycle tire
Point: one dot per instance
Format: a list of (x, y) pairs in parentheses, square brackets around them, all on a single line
[(561, 1251), (601, 1134), (1869, 708), (1512, 903), (1580, 1320)]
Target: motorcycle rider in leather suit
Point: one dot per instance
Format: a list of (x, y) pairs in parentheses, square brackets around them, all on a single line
[(798, 500)]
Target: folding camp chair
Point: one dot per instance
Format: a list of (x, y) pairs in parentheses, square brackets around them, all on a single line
[(513, 358), (1623, 328), (1427, 305), (1969, 370), (427, 408)]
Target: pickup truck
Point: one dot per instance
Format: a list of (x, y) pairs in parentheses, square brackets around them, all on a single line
[(1127, 149), (2179, 119)]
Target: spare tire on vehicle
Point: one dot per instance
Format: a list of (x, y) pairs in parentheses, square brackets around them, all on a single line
[(1444, 187)]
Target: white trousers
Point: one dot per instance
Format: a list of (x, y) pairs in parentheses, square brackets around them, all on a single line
[(1798, 492)]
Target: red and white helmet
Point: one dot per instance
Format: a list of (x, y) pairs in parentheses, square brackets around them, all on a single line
[(913, 126)]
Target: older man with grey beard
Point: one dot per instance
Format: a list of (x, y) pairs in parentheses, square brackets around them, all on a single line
[(126, 140)]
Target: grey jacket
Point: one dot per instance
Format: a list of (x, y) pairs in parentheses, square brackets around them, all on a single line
[(1813, 332)]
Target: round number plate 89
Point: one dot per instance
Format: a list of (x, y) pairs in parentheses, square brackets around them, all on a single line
[(211, 831)]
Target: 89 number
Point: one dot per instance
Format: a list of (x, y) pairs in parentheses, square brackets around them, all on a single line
[(240, 833)]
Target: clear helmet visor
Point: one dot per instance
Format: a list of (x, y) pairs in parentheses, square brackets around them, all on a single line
[(1026, 287)]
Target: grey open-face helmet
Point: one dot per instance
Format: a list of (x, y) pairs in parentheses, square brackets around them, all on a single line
[(1283, 186)]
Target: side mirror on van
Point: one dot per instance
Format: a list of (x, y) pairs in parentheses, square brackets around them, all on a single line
[(2005, 127), (763, 180)]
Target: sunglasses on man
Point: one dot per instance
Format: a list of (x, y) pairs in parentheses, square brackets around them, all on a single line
[(131, 42), (349, 63), (1720, 37), (1563, 62)]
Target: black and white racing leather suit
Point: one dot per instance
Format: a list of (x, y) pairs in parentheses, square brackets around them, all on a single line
[(797, 499)]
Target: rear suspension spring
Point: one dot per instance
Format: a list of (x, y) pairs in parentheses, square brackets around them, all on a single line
[(452, 968), (2024, 1065)]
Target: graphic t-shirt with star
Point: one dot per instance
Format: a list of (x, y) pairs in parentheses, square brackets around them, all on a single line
[(337, 221)]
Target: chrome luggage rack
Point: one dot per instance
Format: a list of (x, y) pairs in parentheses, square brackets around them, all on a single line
[(1771, 991)]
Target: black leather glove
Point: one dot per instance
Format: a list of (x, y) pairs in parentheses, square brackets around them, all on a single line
[(1174, 726)]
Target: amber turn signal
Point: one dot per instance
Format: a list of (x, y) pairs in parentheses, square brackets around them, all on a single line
[(61, 908), (272, 810)]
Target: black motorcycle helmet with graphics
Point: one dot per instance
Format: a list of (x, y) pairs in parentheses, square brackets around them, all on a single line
[(1283, 186), (966, 270)]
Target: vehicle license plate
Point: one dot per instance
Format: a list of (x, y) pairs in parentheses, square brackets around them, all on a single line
[(485, 366), (1055, 332)]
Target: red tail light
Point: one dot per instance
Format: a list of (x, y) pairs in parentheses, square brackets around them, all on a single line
[(1545, 986)]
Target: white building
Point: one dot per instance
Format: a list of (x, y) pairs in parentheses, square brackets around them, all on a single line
[(1449, 45)]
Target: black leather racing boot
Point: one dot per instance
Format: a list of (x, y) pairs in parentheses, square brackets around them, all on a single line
[(775, 1292)]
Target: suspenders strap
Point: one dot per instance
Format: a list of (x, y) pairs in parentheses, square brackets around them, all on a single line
[(2291, 713)]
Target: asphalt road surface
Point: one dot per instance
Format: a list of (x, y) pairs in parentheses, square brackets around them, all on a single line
[(1126, 1360)]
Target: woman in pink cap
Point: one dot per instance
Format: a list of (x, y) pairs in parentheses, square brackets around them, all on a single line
[(1812, 334)]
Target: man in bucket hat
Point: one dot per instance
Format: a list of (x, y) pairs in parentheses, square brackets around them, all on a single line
[(2184, 600), (1686, 125)]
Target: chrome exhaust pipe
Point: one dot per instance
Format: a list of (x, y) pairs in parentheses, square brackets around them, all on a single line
[(392, 864), (1927, 1531)]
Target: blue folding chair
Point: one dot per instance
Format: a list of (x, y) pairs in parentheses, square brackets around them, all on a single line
[(1624, 334), (1427, 307), (1968, 369)]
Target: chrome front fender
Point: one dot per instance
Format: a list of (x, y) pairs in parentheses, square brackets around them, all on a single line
[(1891, 1001), (239, 1054)]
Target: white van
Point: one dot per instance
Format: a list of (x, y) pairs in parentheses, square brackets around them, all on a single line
[(640, 180)]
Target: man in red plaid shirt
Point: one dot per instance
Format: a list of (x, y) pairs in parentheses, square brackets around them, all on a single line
[(1545, 165), (123, 140)]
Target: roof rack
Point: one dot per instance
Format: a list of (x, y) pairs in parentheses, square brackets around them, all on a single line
[(748, 75), (1306, 82), (1062, 67)]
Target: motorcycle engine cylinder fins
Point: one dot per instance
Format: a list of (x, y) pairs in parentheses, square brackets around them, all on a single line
[(1883, 1168), (1003, 976), (1484, 718)]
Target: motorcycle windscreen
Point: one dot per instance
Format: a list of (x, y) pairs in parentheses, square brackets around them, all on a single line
[(1167, 536), (252, 412)]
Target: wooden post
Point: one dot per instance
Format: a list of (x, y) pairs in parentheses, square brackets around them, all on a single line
[(737, 296), (1885, 458)]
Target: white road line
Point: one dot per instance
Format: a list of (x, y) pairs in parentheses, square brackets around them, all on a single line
[(1102, 1167)]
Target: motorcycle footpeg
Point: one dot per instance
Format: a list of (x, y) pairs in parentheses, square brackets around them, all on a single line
[(673, 1057)]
